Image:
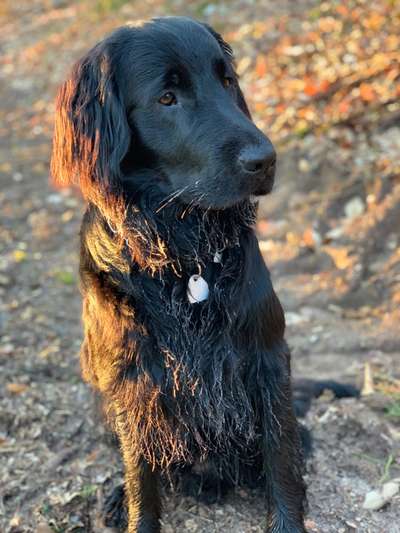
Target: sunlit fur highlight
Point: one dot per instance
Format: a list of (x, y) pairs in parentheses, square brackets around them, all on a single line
[(182, 384)]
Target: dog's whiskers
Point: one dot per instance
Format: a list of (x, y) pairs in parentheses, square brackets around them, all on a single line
[(187, 208), (171, 197)]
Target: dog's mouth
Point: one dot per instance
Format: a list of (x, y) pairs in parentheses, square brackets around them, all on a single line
[(220, 202), (264, 188), (243, 189), (264, 184)]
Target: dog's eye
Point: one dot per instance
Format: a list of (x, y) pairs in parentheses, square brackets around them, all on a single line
[(227, 81), (168, 99)]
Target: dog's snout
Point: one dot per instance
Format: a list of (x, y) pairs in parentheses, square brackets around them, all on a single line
[(257, 159)]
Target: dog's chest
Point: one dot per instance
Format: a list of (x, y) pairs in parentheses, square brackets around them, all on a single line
[(196, 361), (200, 295), (190, 319)]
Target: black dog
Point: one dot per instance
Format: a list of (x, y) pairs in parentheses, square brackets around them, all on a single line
[(184, 334)]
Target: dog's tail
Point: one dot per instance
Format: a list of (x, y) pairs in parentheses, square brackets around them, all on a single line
[(304, 391)]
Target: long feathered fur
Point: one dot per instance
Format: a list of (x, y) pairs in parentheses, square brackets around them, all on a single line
[(170, 351), (182, 383)]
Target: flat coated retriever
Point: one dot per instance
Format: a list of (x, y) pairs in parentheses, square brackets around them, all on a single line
[(184, 334)]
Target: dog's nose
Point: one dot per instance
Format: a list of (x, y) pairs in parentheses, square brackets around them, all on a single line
[(258, 159)]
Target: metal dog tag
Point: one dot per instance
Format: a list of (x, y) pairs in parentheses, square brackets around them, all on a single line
[(217, 257)]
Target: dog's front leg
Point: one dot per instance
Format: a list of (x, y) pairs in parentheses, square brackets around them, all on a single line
[(280, 444), (286, 496), (142, 491)]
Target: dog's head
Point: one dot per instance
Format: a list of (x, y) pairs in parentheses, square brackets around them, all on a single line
[(160, 101)]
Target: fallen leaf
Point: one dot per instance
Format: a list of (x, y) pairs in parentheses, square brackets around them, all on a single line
[(17, 388), (261, 66), (344, 107), (367, 93), (308, 238), (19, 256)]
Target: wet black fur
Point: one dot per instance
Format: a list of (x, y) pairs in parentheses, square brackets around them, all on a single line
[(202, 390)]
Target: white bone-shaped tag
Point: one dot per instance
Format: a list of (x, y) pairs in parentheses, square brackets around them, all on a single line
[(197, 290)]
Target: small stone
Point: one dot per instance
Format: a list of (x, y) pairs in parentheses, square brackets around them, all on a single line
[(376, 499), (54, 199), (202, 511), (310, 524), (7, 349), (392, 242), (354, 208), (17, 176), (316, 237), (335, 233), (304, 165), (390, 489), (15, 521), (190, 525), (4, 280), (37, 130), (294, 51), (292, 318), (373, 500), (349, 58)]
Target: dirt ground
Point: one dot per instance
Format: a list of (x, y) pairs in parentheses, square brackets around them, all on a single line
[(322, 79)]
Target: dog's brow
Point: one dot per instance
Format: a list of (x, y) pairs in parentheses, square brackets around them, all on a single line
[(178, 77)]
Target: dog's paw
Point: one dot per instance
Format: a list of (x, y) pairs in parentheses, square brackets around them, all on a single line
[(115, 513)]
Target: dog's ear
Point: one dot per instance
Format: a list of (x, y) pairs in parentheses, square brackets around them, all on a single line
[(228, 52), (91, 134)]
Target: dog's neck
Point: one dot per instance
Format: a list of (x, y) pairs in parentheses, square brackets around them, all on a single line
[(178, 235)]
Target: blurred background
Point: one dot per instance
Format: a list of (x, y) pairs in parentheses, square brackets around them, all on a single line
[(323, 81)]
